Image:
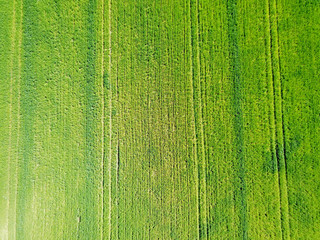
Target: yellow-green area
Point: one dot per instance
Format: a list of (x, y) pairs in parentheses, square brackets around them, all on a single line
[(159, 119)]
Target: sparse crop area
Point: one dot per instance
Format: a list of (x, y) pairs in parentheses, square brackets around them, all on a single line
[(159, 119)]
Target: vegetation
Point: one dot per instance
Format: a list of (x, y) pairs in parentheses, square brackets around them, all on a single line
[(172, 119)]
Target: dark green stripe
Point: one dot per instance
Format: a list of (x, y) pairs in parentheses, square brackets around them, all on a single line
[(28, 111), (239, 148), (89, 227)]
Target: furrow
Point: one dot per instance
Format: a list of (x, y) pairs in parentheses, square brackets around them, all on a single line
[(102, 120), (279, 131), (196, 175), (272, 117), (110, 118)]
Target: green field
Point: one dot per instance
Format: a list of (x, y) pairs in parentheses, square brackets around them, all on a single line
[(159, 119)]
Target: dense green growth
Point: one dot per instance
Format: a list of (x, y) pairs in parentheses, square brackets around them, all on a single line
[(171, 119)]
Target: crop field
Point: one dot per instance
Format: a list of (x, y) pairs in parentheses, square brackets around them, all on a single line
[(159, 119)]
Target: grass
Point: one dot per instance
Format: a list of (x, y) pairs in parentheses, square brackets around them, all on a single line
[(159, 119)]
